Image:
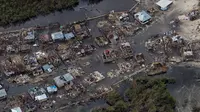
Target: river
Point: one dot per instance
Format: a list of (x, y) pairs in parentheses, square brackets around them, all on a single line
[(80, 12)]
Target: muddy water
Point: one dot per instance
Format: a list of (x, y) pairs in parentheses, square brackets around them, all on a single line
[(88, 107), (80, 12), (187, 87)]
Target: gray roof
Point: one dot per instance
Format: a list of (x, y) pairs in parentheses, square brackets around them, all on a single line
[(143, 16), (68, 77), (57, 36), (69, 36), (3, 93), (62, 80), (164, 3)]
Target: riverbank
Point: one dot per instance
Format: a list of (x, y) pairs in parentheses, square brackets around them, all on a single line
[(13, 12), (80, 12)]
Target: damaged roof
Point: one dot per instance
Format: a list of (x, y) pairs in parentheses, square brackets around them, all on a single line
[(142, 16)]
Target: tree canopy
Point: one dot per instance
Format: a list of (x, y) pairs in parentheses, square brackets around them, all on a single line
[(19, 10), (150, 95)]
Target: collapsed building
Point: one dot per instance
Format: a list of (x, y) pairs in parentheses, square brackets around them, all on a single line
[(109, 55), (140, 58), (38, 94), (81, 31), (83, 50), (126, 49), (94, 77), (28, 36), (157, 68), (13, 65), (101, 41), (187, 53)]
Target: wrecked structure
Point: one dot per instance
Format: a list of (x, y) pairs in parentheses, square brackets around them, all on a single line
[(94, 77), (109, 55), (38, 94), (157, 68), (140, 58), (81, 31), (13, 65), (101, 41), (126, 49), (193, 15), (187, 53)]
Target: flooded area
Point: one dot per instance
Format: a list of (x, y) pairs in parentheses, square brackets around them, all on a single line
[(87, 107), (80, 12), (187, 87), (80, 54)]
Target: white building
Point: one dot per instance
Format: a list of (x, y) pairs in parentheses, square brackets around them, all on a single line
[(164, 4)]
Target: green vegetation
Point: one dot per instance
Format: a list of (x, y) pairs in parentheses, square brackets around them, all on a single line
[(150, 95), (13, 11)]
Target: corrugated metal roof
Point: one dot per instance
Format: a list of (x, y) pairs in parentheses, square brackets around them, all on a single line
[(143, 16), (164, 3), (68, 77), (41, 97), (62, 80), (3, 93), (57, 36), (69, 36)]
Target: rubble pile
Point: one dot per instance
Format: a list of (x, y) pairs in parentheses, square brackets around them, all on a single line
[(109, 55), (22, 79), (126, 49), (124, 67), (76, 71), (157, 68), (94, 77)]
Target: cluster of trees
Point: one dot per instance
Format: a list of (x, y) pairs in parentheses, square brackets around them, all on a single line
[(13, 11), (150, 95)]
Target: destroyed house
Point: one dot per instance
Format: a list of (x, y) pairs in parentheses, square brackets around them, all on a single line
[(62, 80), (143, 17), (193, 15), (13, 65), (164, 4), (25, 48), (126, 50), (81, 31), (109, 55), (30, 36), (94, 77), (101, 41), (77, 28), (57, 36), (38, 94), (45, 38)]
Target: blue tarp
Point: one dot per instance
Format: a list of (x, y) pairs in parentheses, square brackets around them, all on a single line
[(69, 36), (52, 88)]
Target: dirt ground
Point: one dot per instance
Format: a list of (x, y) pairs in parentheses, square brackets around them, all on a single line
[(188, 29)]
